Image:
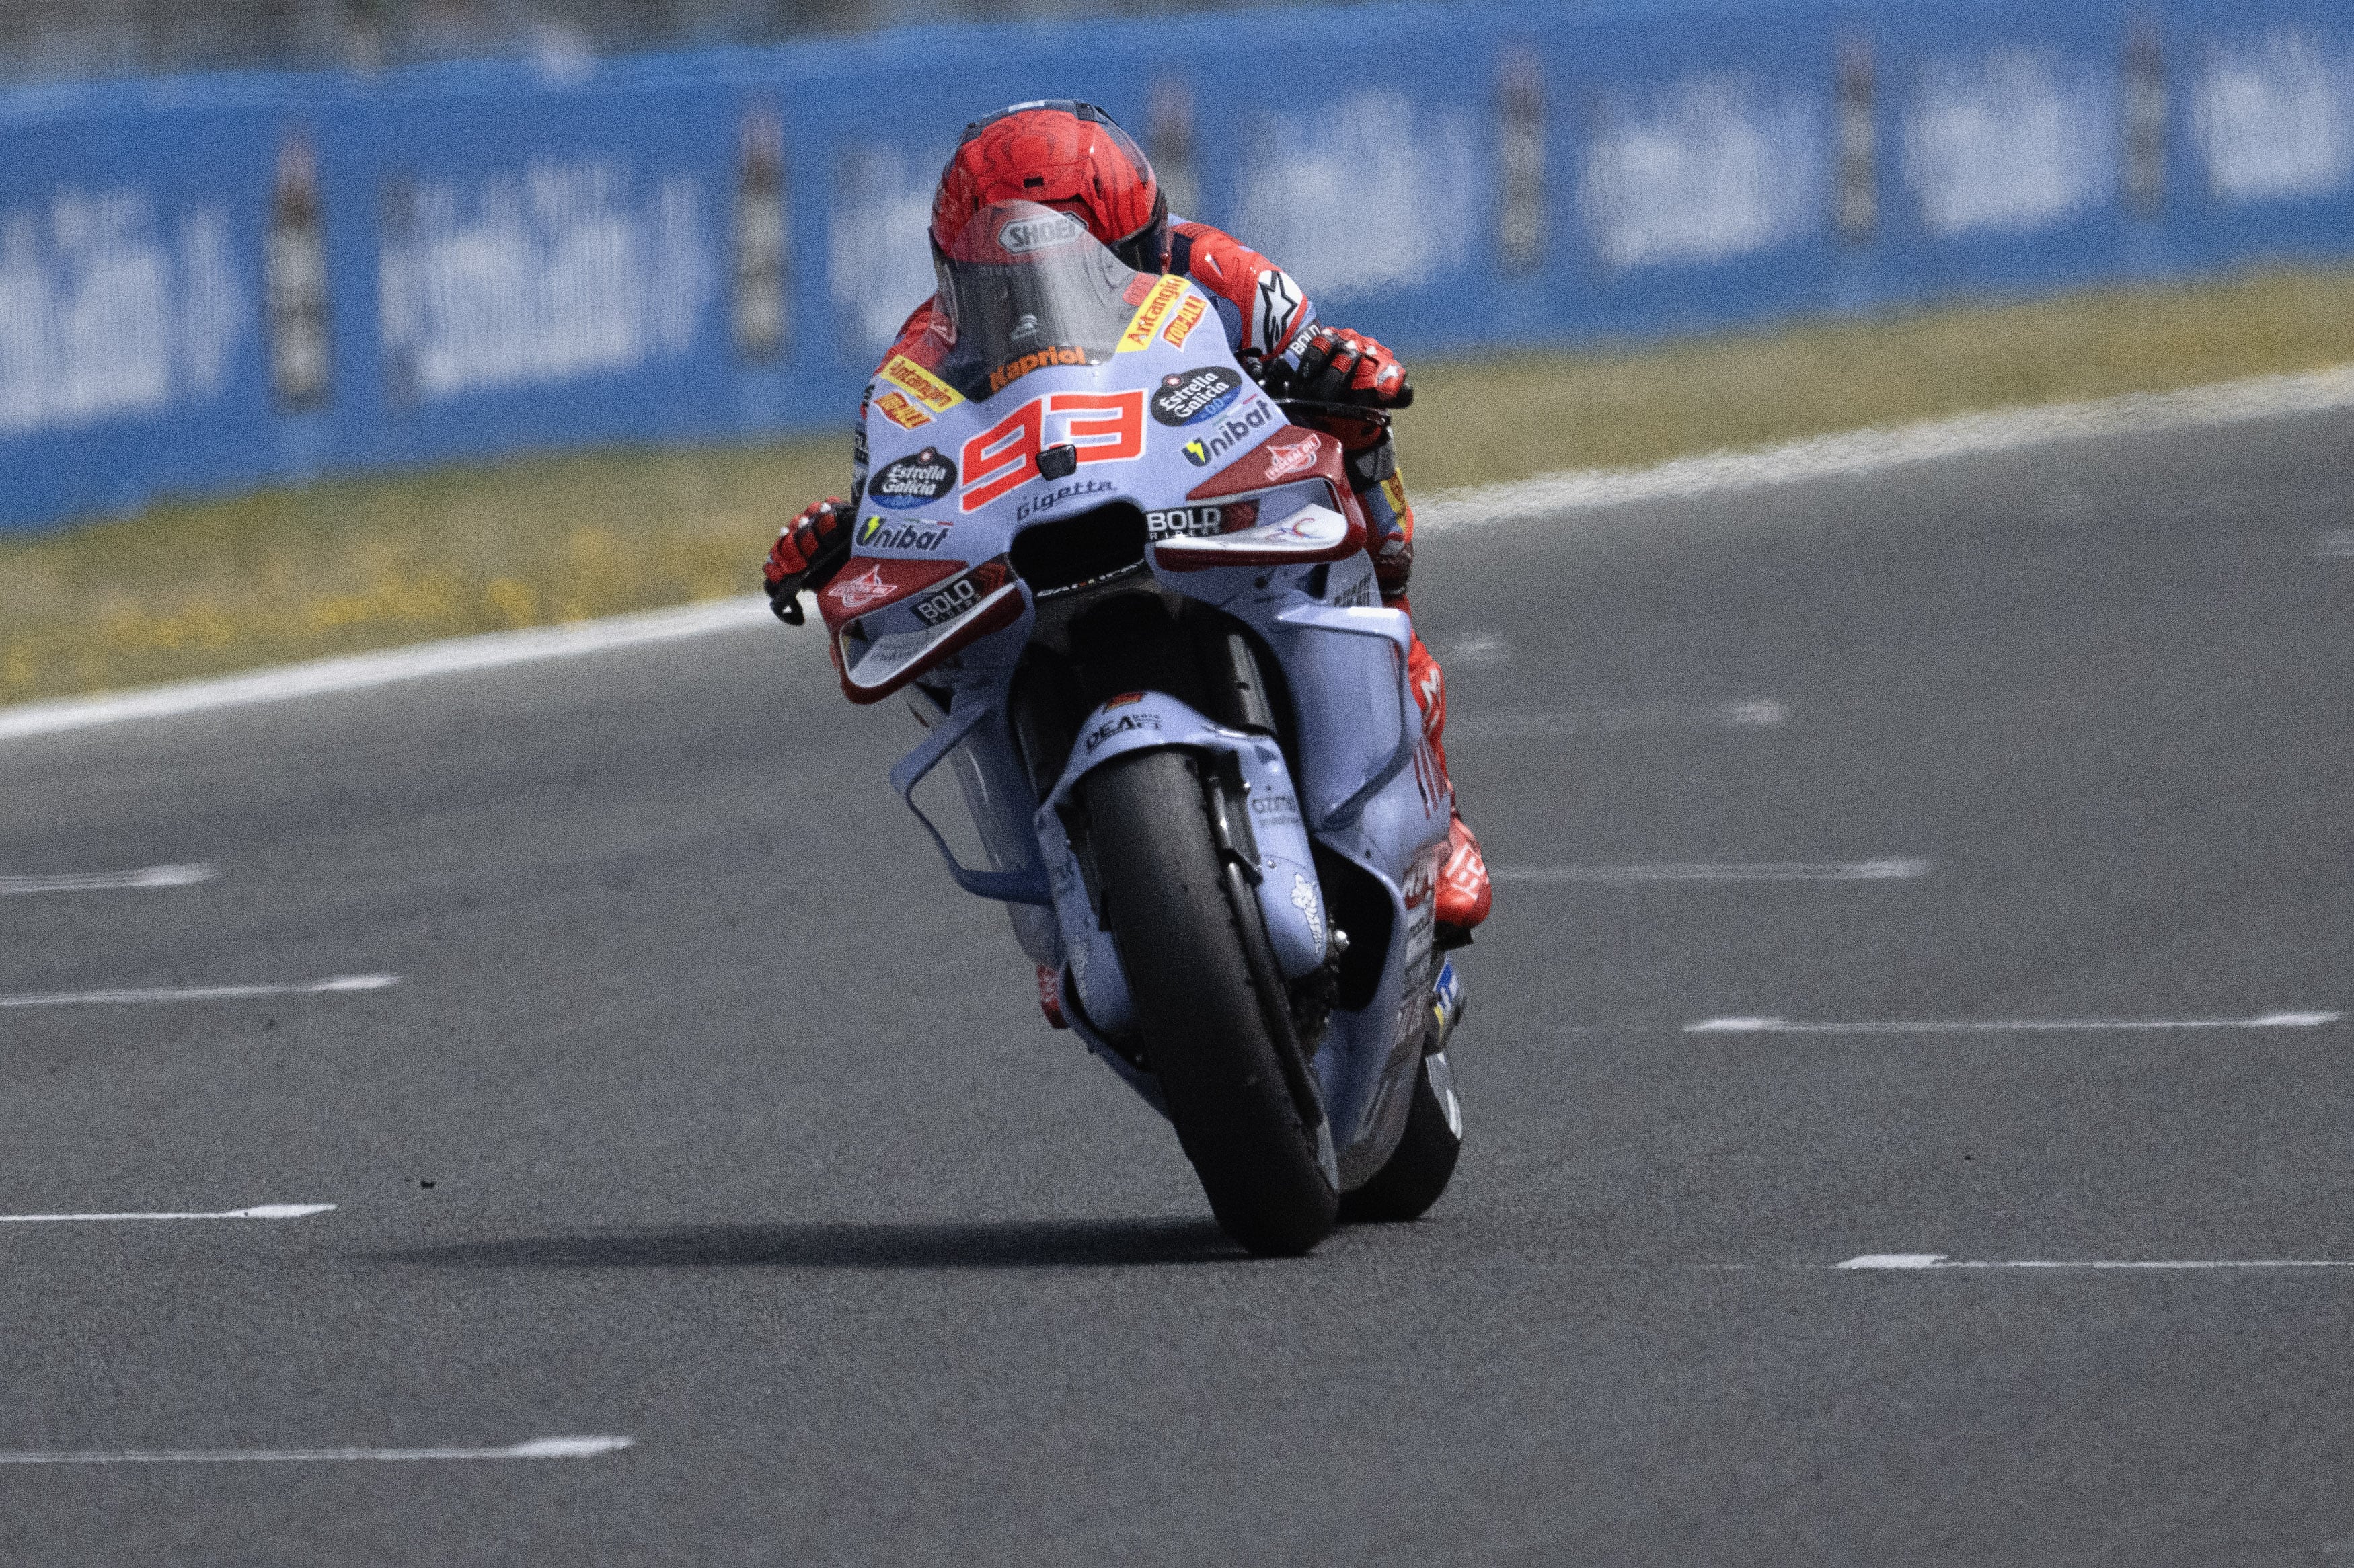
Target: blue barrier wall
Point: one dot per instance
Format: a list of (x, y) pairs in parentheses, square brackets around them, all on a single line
[(209, 282)]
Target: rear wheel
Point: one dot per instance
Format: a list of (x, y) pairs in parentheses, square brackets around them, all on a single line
[(1227, 1069), (1414, 1176)]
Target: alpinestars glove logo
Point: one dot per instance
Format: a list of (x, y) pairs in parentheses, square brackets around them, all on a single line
[(1278, 302)]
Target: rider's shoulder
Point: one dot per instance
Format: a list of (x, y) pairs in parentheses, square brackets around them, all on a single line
[(923, 338), (1211, 256)]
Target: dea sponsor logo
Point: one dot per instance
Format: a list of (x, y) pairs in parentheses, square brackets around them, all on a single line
[(912, 480), (1188, 397), (1024, 235), (1203, 451)]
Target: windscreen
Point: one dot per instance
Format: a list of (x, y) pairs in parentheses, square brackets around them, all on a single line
[(1027, 287)]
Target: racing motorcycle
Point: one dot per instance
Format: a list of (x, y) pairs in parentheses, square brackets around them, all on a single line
[(1131, 599)]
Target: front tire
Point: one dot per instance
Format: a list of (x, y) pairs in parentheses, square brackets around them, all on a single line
[(1179, 929), (1417, 1171)]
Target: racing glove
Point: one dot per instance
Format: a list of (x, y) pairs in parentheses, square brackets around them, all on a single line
[(809, 552), (1343, 366)]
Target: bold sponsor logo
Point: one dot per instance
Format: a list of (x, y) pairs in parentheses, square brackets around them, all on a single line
[(1123, 724), (1278, 302), (1148, 318), (898, 534), (1024, 235), (954, 598), (1188, 397), (1184, 522), (1098, 426), (1180, 326), (1053, 498), (912, 480), (921, 384), (895, 407), (1014, 370), (1203, 451)]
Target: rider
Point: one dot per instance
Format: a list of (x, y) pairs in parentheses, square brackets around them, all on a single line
[(1070, 156)]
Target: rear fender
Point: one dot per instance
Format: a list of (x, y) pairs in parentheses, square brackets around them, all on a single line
[(1272, 836)]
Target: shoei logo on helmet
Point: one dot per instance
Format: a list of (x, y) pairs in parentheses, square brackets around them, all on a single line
[(1024, 235), (912, 480)]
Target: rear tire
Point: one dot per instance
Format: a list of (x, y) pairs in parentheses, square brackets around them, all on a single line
[(1417, 1171), (1207, 1032)]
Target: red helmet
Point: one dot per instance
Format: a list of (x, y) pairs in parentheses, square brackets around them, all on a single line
[(1061, 154)]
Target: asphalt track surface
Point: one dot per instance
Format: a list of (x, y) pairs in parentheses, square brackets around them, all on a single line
[(746, 1141)]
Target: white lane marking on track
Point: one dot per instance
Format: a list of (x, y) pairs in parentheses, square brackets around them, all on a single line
[(2335, 543), (202, 992), (491, 651), (2005, 1025), (108, 881), (1750, 714), (1926, 1261), (1473, 650), (1855, 452), (536, 1448), (1783, 870), (259, 1212)]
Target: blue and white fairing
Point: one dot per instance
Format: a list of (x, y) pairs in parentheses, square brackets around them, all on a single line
[(1084, 385)]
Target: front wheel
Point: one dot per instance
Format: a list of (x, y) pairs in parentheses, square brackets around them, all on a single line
[(1186, 941)]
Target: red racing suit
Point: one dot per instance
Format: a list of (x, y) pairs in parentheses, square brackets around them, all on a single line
[(1267, 317)]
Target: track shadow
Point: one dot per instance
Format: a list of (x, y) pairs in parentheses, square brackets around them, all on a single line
[(1033, 1243)]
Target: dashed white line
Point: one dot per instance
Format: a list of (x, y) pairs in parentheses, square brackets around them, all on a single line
[(2005, 1025), (1749, 713), (334, 983), (1475, 650), (2335, 543), (1771, 871), (586, 1448), (109, 881), (259, 1212), (1926, 1261)]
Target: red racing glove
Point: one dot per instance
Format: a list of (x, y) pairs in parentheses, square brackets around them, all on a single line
[(813, 546), (1343, 366)]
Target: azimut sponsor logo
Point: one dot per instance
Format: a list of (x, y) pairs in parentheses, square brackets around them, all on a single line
[(910, 482), (1203, 451), (1014, 370), (1187, 398), (1024, 235)]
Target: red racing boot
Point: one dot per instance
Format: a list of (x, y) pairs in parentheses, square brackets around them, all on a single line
[(1464, 894)]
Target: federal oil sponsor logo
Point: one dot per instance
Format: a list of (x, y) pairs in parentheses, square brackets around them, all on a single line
[(909, 481), (879, 533), (1014, 370), (1189, 397), (1180, 326), (1203, 451), (1024, 235), (1296, 457), (1150, 315)]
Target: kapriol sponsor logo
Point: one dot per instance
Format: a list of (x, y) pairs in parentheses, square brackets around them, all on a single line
[(909, 481), (1240, 430), (1189, 397), (1014, 370)]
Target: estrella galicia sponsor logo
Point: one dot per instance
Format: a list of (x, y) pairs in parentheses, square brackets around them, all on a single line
[(1189, 397), (1053, 498), (1203, 451), (1184, 522), (1123, 724), (894, 534), (1024, 235), (912, 480)]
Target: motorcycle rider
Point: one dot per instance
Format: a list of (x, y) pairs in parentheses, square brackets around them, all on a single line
[(1071, 156)]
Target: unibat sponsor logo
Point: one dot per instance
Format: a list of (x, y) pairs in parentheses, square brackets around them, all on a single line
[(1180, 326), (1203, 451), (1188, 397), (895, 534), (1184, 522), (1014, 370), (1024, 235), (912, 480)]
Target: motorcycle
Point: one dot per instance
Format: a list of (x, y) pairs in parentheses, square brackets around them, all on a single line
[(1129, 598)]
